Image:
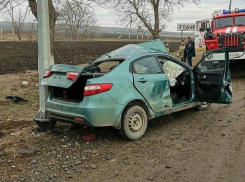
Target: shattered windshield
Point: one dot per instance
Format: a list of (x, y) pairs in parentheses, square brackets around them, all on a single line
[(223, 22), (134, 49), (240, 20), (124, 52)]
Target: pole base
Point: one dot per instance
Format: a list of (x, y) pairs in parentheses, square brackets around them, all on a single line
[(44, 124)]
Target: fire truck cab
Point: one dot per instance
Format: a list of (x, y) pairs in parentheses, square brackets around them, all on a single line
[(227, 29), (199, 35)]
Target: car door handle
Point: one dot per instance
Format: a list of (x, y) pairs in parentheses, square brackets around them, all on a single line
[(204, 77), (142, 80)]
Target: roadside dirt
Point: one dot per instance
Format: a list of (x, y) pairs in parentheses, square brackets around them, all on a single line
[(185, 146), (190, 146)]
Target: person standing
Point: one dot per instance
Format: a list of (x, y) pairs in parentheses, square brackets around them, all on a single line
[(181, 54), (166, 45), (190, 50)]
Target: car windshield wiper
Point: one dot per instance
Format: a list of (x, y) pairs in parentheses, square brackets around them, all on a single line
[(240, 24)]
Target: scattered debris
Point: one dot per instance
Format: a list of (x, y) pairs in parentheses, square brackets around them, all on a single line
[(150, 178), (14, 134), (15, 99), (93, 166), (1, 134), (25, 83), (89, 138), (77, 144), (78, 162)]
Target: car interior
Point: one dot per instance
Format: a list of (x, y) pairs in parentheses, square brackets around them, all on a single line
[(102, 66), (92, 70), (179, 80)]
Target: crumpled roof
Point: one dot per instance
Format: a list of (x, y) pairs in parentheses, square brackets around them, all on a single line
[(155, 46)]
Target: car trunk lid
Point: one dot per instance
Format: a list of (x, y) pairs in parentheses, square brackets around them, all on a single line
[(61, 75), (67, 82)]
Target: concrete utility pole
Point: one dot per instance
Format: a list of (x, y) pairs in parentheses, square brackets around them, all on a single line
[(44, 54)]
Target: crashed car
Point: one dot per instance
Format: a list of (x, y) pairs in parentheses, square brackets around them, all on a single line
[(130, 86)]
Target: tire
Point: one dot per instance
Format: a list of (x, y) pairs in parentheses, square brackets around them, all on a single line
[(203, 106), (133, 115)]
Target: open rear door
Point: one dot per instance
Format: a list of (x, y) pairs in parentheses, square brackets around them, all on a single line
[(212, 77)]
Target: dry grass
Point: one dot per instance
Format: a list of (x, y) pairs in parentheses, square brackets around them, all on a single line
[(11, 85)]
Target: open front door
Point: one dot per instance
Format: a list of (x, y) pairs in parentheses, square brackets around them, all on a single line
[(212, 78)]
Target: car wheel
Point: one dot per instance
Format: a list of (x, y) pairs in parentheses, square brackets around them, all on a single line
[(134, 123), (203, 106)]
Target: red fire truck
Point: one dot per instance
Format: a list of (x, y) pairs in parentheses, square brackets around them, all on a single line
[(225, 29)]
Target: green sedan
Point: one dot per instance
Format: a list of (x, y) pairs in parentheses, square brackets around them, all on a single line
[(130, 86)]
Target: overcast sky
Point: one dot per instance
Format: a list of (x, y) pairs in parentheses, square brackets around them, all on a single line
[(189, 14)]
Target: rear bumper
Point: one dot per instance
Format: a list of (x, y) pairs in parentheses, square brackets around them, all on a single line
[(97, 110)]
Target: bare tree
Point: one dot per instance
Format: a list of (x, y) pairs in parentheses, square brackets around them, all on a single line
[(75, 15), (90, 29), (33, 6), (31, 30), (152, 13), (52, 13), (17, 20)]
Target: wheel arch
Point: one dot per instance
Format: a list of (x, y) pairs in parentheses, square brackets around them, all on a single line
[(138, 102)]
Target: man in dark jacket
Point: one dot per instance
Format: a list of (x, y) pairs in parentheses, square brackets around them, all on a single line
[(190, 50)]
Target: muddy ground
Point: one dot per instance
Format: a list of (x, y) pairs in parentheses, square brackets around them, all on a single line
[(189, 146)]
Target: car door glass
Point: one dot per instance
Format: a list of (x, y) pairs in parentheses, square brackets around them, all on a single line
[(147, 65), (213, 61)]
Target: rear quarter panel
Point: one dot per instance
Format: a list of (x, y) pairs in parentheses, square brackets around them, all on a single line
[(123, 90)]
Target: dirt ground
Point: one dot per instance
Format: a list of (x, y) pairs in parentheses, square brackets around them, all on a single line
[(191, 146), (23, 56)]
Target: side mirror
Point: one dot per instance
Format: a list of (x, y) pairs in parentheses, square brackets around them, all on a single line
[(201, 29), (208, 29)]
